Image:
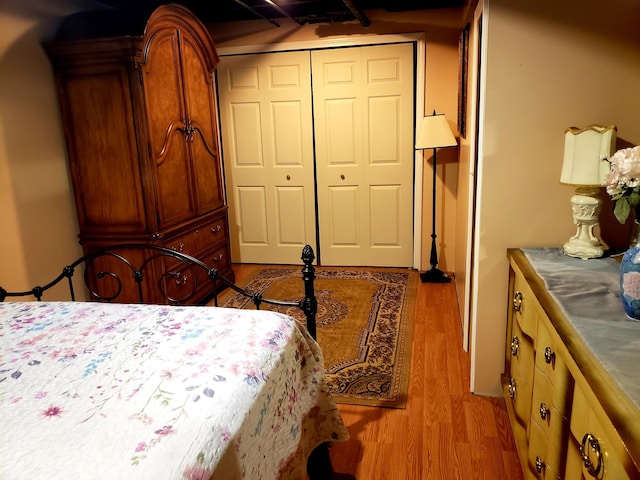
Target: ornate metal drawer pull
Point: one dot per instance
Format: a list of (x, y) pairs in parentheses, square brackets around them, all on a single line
[(216, 229), (515, 346), (218, 257), (539, 464), (544, 411), (549, 355), (511, 388), (590, 444), (517, 301)]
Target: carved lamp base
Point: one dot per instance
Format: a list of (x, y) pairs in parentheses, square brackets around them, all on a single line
[(585, 205)]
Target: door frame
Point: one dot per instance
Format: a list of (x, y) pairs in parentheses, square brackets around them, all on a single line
[(420, 78)]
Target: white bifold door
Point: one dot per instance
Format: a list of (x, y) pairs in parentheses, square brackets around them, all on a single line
[(319, 145)]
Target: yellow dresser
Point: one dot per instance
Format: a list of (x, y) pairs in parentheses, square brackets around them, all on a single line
[(572, 368)]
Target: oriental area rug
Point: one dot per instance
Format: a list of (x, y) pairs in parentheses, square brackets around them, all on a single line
[(364, 322)]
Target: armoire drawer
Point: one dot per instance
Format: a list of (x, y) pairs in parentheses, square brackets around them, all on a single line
[(186, 282), (200, 239)]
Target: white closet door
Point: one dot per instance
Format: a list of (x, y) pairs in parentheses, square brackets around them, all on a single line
[(363, 114), (267, 138)]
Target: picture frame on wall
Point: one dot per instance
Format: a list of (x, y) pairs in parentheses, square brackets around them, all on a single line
[(463, 73)]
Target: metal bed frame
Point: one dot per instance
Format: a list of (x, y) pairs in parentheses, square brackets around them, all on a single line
[(94, 278)]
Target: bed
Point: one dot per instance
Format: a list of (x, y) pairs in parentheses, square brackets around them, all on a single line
[(105, 390)]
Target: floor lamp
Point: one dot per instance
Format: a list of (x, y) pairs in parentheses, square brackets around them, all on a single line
[(434, 133)]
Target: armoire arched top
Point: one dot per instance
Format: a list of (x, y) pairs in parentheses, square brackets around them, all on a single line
[(136, 29)]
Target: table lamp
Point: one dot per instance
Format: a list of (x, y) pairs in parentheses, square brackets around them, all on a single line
[(435, 133), (584, 167)]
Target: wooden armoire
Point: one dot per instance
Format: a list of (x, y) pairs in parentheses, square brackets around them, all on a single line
[(138, 106)]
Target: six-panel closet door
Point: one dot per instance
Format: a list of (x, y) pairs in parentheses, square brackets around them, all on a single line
[(355, 105)]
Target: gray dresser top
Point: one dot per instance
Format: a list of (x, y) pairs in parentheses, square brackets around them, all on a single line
[(587, 291)]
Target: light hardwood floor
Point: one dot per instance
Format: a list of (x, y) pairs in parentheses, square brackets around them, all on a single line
[(445, 432)]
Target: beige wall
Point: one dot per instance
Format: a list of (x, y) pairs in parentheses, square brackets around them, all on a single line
[(39, 226), (549, 65)]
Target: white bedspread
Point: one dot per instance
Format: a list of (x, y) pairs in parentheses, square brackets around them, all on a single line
[(106, 391)]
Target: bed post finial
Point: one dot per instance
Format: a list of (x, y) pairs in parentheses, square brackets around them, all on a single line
[(309, 304)]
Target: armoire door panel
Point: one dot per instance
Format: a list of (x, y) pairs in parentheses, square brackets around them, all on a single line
[(165, 107), (113, 198), (174, 181), (201, 112)]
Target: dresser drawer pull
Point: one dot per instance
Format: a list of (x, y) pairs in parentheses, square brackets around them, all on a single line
[(515, 346), (216, 229), (549, 355), (218, 257), (517, 301), (544, 411), (539, 464), (591, 444), (511, 388)]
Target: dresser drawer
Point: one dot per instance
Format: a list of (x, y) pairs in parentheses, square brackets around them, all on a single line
[(548, 419), (525, 307), (554, 367), (542, 455), (595, 450)]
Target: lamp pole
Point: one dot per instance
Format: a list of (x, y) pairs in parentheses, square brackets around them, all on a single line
[(434, 274)]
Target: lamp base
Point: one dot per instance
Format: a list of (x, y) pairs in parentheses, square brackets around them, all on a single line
[(583, 249), (585, 206), (434, 275)]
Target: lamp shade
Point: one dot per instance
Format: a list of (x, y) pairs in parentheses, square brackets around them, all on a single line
[(435, 132), (584, 151)]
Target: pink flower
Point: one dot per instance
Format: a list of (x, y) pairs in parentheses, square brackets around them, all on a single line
[(142, 446), (631, 284), (52, 411), (197, 472), (164, 431)]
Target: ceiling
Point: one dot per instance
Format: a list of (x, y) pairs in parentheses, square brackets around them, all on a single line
[(302, 11)]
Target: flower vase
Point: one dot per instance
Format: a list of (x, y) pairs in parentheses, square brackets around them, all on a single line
[(630, 281)]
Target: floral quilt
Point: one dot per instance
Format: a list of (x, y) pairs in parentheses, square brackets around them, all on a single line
[(107, 391)]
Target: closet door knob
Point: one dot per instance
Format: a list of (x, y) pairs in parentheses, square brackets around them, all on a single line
[(288, 177), (342, 177)]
